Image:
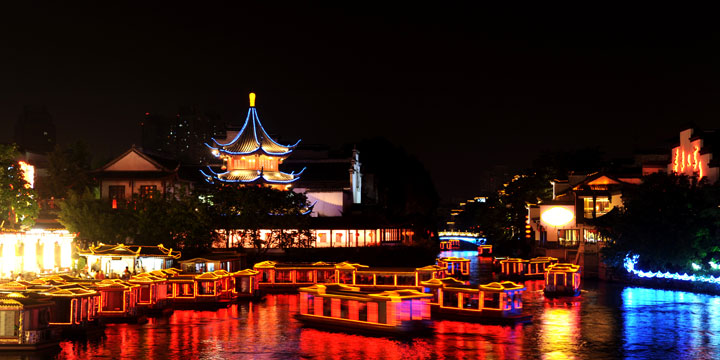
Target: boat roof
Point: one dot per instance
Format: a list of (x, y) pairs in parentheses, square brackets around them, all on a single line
[(351, 292), (453, 259), (563, 267)]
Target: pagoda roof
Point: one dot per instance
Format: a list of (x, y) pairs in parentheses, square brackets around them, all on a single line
[(251, 139), (251, 176)]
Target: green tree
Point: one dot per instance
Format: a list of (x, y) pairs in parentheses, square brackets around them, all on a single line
[(180, 221), (93, 219), (668, 220), (245, 210), (18, 201)]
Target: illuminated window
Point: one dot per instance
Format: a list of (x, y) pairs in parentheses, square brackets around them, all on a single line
[(492, 301), (364, 279), (346, 276), (362, 311), (602, 206), (145, 293), (407, 280), (325, 276), (344, 309), (450, 299), (207, 288), (327, 306), (384, 280), (283, 276), (568, 237), (304, 276), (147, 190), (116, 192), (471, 300), (8, 323)]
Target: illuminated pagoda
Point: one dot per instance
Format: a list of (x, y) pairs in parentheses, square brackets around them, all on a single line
[(252, 157)]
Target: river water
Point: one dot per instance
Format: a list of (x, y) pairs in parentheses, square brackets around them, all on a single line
[(608, 321)]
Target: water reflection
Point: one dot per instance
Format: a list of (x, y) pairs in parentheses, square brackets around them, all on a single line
[(559, 331), (606, 322), (681, 324)]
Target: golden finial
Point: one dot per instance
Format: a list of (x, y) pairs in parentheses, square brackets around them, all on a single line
[(252, 99)]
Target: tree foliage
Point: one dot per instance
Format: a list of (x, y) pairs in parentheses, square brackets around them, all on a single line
[(246, 210), (177, 221), (668, 220), (194, 220), (18, 201)]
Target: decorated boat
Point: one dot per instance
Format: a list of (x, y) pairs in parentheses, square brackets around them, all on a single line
[(153, 293), (455, 266), (536, 266), (25, 322), (485, 250), (283, 277), (75, 309), (562, 280), (118, 301), (513, 268), (496, 302), (347, 308), (247, 285)]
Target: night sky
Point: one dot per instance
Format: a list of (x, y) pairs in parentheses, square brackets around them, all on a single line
[(463, 89)]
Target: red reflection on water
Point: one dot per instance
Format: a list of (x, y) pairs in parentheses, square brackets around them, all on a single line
[(318, 344)]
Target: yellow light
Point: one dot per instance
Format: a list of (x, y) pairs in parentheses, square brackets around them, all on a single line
[(30, 254), (9, 241), (252, 99), (49, 252), (66, 252), (28, 173), (557, 216)]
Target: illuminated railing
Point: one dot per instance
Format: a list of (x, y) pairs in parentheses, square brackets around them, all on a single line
[(631, 260)]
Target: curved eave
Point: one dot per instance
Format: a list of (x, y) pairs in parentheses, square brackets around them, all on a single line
[(264, 138), (250, 181)]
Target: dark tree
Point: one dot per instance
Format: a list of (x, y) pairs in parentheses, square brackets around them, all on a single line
[(246, 210), (668, 220)]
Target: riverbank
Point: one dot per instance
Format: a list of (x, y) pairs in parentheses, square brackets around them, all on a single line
[(625, 278)]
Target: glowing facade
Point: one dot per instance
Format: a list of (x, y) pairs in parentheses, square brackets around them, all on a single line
[(692, 158), (20, 252), (252, 157)]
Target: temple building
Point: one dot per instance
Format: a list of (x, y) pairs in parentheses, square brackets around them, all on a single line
[(136, 172), (252, 157)]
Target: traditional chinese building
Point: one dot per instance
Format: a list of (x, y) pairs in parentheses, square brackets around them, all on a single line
[(252, 157), (138, 172)]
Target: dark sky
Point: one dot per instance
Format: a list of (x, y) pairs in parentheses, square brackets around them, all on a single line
[(461, 88)]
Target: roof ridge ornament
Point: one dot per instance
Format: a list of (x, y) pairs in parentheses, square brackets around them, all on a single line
[(252, 99)]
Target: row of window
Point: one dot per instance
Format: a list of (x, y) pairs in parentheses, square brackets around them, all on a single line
[(117, 192)]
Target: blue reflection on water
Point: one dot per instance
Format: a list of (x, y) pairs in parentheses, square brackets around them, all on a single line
[(673, 324)]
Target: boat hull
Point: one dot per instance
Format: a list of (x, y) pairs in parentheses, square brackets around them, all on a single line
[(414, 328), (484, 317), (29, 347)]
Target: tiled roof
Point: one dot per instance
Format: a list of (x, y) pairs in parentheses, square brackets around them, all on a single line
[(251, 139)]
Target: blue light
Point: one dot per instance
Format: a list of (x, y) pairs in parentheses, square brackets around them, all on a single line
[(255, 119), (630, 262)]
